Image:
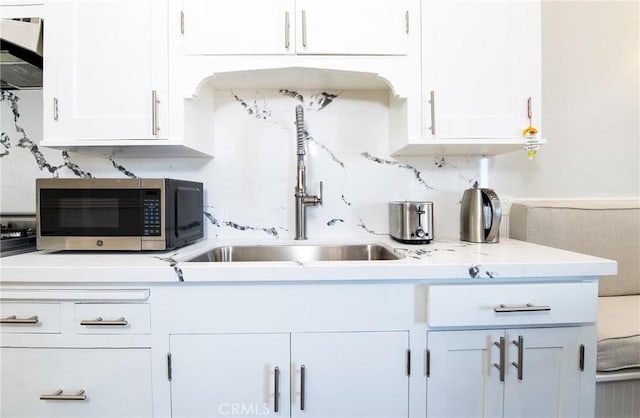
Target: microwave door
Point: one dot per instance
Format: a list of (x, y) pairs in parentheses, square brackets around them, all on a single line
[(91, 218)]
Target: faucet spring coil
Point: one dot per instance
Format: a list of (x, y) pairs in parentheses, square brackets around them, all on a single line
[(300, 129)]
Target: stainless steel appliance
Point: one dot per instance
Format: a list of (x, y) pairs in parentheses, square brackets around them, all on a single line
[(480, 216), (411, 222), (17, 233), (118, 214)]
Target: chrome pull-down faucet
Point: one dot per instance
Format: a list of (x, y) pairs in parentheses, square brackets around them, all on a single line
[(302, 198)]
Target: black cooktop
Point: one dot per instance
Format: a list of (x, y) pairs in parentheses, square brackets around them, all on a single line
[(17, 234)]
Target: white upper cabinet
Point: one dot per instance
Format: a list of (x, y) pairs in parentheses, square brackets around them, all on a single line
[(104, 64), (238, 27), (332, 27), (481, 62), (352, 27)]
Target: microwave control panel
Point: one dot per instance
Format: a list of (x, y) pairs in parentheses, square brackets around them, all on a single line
[(151, 213)]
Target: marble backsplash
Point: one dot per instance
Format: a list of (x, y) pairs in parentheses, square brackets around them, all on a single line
[(249, 185)]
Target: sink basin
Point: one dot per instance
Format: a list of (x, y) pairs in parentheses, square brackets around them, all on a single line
[(302, 253)]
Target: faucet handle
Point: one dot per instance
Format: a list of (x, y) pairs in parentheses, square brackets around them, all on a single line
[(320, 194)]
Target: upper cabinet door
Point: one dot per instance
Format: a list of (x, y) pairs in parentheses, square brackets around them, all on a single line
[(238, 27), (481, 62), (104, 62), (353, 27), (265, 27)]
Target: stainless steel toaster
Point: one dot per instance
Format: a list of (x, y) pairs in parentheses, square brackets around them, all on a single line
[(411, 222)]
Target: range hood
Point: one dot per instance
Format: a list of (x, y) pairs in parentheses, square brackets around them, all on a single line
[(21, 53)]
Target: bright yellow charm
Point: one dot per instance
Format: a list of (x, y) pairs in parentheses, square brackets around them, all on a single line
[(529, 132)]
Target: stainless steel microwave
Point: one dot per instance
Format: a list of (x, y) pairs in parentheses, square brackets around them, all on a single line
[(117, 214)]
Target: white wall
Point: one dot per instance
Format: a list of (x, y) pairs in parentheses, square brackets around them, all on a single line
[(591, 106)]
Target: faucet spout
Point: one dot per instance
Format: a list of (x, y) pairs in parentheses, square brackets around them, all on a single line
[(302, 198)]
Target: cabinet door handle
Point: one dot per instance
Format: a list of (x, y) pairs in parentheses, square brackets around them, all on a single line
[(102, 322), (304, 28), (154, 112), (432, 102), (276, 388), (302, 386), (287, 30), (59, 396), (519, 364), (15, 320), (500, 366), (529, 307)]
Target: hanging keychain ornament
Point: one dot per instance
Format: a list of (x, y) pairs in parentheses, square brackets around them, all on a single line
[(530, 133)]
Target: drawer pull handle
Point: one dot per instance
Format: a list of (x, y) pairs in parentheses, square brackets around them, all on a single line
[(529, 307), (15, 320), (59, 396), (100, 322)]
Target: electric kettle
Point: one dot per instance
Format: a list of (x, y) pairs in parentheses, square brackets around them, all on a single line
[(480, 216)]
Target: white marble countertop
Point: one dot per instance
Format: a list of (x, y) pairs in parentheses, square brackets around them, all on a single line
[(439, 260)]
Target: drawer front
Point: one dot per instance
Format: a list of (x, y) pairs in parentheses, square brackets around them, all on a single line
[(20, 317), (93, 382), (112, 318), (511, 304)]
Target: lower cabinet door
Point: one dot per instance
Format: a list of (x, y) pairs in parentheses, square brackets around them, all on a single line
[(223, 375), (67, 382), (540, 374), (463, 381), (350, 374), (549, 382)]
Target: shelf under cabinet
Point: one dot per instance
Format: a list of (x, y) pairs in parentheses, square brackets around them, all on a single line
[(463, 146), (143, 148)]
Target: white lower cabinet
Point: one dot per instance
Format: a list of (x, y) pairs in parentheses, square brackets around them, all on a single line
[(504, 373), (229, 375), (68, 382), (350, 374), (334, 374)]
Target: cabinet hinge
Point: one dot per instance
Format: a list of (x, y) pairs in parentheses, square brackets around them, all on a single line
[(428, 363), (581, 363), (182, 22), (409, 362), (169, 370), (406, 21), (55, 108)]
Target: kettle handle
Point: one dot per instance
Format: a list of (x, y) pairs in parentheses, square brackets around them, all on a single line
[(496, 214)]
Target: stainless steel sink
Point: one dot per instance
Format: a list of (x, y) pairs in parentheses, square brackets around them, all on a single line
[(302, 253)]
